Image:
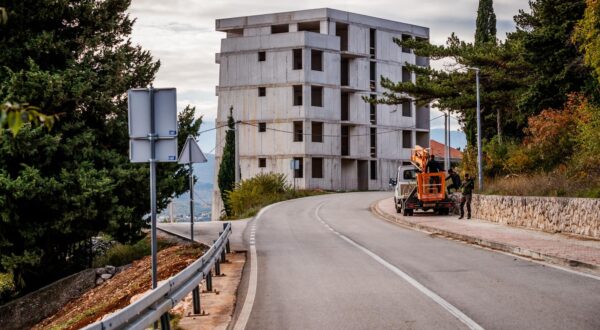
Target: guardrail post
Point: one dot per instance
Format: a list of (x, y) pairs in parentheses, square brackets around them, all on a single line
[(227, 247), (223, 256), (196, 300), (209, 281), (165, 323)]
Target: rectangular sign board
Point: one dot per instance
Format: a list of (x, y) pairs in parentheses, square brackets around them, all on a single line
[(166, 151), (165, 113)]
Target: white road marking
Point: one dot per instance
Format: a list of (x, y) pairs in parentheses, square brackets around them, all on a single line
[(432, 295), (244, 316)]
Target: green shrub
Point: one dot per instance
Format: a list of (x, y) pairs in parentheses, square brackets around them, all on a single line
[(7, 286), (123, 254), (250, 195)]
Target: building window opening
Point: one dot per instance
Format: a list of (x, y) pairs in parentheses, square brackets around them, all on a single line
[(372, 42), (297, 59), (280, 28), (262, 56), (262, 91), (373, 141), (316, 96), (310, 27), (406, 37), (298, 131), (317, 168), (317, 131), (262, 127), (407, 139), (341, 30), (262, 162), (298, 95), (316, 60), (406, 111), (299, 172), (373, 170), (373, 110)]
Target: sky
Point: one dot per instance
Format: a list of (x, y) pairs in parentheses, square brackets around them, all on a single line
[(181, 34)]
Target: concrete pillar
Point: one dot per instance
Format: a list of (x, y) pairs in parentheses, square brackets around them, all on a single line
[(293, 27), (324, 27), (331, 28)]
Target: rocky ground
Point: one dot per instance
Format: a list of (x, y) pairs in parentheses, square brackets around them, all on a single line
[(116, 292)]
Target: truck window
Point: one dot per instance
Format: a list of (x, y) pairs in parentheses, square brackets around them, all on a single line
[(410, 175)]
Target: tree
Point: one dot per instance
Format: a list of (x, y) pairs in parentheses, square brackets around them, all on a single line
[(587, 35), (226, 177), (486, 23), (59, 188), (545, 34)]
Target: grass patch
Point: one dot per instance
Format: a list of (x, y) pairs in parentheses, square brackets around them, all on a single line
[(553, 184), (250, 195), (123, 254), (7, 286)]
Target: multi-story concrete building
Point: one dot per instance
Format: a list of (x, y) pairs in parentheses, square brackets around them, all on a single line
[(296, 81)]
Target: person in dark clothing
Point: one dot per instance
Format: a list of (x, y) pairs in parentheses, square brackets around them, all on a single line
[(467, 191), (455, 180), (433, 167)]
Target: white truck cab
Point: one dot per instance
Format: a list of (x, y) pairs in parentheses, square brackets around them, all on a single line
[(406, 180)]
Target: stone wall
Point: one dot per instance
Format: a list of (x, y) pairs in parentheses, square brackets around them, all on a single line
[(34, 307), (579, 216)]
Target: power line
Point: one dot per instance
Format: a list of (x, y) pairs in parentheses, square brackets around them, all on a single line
[(335, 135)]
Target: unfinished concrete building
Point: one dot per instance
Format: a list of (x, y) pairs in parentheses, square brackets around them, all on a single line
[(296, 82)]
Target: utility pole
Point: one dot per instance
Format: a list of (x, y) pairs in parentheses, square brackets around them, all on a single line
[(479, 156), (237, 152), (446, 160)]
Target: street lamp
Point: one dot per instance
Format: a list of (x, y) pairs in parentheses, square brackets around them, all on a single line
[(479, 161)]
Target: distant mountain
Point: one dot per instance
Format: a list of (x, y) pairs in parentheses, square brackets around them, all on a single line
[(457, 138)]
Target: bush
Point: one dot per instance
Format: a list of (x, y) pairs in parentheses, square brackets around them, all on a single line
[(7, 287), (554, 184), (250, 195), (123, 254)]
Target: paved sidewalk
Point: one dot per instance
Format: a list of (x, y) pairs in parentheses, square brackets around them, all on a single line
[(206, 232), (554, 248)]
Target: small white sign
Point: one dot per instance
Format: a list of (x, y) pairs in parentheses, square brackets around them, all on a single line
[(166, 151), (165, 112)]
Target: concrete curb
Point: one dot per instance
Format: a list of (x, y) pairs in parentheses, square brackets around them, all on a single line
[(513, 249)]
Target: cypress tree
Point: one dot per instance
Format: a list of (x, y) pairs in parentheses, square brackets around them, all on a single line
[(486, 23), (226, 178)]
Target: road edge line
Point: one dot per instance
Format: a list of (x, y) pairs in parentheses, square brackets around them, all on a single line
[(526, 254)]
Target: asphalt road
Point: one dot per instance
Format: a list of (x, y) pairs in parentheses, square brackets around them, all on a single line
[(327, 262)]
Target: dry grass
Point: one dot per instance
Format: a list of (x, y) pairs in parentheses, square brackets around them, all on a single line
[(543, 184)]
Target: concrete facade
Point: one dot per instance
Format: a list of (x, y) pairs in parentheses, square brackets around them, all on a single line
[(296, 80)]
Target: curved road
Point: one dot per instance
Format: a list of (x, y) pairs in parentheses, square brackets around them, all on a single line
[(327, 262)]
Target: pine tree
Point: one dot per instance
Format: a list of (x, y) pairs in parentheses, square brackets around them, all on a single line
[(61, 187), (486, 23), (226, 178)]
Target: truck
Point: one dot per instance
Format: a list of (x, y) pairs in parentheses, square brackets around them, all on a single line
[(417, 190)]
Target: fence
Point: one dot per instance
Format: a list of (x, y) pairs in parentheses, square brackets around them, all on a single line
[(156, 303)]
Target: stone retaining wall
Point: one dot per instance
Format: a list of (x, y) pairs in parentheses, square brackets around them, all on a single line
[(579, 216), (36, 306)]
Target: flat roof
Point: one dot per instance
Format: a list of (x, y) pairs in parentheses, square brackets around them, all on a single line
[(332, 15)]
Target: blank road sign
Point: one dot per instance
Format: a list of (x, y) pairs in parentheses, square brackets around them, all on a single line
[(165, 112), (166, 151)]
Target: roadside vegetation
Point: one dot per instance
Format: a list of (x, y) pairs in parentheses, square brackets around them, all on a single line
[(250, 195), (539, 96), (123, 254)]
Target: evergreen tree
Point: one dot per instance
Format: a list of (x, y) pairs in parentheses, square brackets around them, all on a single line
[(61, 187), (226, 177), (485, 30)]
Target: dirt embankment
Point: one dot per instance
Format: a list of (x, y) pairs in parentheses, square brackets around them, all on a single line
[(118, 291)]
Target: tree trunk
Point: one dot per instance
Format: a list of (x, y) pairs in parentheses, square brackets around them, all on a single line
[(499, 124)]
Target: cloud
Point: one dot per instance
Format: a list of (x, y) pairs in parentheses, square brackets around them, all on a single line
[(181, 33)]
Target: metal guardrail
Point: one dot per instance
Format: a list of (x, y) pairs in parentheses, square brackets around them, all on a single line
[(153, 305)]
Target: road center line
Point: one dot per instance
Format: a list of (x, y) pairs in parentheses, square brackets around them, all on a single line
[(432, 295)]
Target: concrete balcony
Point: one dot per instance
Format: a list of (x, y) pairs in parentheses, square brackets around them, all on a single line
[(281, 40)]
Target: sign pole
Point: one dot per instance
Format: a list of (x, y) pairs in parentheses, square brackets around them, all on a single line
[(191, 192), (152, 138)]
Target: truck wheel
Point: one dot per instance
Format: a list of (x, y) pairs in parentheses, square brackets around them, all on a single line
[(398, 208), (411, 212)]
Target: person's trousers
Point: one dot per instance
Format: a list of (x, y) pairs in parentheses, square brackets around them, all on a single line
[(466, 200)]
